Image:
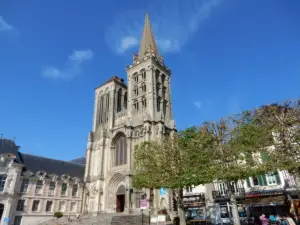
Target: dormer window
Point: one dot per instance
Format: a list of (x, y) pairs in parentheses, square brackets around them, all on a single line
[(64, 188), (39, 187), (24, 185), (52, 188)]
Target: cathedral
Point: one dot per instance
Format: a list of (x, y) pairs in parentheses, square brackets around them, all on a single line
[(126, 114)]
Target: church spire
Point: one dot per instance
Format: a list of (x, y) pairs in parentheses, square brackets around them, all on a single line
[(148, 41)]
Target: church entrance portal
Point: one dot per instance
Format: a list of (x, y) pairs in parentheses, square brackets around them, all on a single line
[(120, 200)]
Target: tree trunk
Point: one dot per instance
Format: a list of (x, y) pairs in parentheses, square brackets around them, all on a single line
[(180, 207), (234, 209)]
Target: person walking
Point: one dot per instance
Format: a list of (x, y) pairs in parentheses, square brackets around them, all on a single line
[(264, 220), (78, 217)]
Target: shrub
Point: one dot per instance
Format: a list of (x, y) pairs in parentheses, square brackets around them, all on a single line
[(58, 215)]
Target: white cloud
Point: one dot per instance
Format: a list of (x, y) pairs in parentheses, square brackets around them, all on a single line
[(73, 66), (172, 24), (4, 26), (126, 43), (198, 104)]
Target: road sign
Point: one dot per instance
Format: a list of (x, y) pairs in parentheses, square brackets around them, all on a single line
[(162, 191)]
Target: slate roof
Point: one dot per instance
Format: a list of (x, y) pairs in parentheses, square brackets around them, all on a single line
[(34, 163), (51, 166), (81, 160), (8, 146)]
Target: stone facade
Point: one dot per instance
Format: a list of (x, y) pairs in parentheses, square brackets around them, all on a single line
[(126, 115), (32, 188)]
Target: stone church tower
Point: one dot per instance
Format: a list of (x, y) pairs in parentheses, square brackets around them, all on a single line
[(125, 115)]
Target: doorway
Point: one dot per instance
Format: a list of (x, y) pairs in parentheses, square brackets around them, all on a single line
[(120, 203), (1, 211), (120, 199)]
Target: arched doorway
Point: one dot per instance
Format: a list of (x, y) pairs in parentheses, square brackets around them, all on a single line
[(1, 210), (120, 199)]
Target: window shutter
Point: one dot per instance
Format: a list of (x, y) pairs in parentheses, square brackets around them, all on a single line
[(278, 180), (262, 180), (248, 182)]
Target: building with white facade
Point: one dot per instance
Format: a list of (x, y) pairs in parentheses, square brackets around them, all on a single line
[(268, 193), (32, 188), (126, 114)]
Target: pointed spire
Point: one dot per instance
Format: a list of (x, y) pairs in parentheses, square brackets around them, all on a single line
[(148, 41)]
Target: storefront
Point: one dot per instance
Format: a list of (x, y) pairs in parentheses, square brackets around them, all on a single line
[(194, 206), (267, 202)]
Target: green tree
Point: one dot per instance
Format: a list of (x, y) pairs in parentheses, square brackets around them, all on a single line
[(58, 215), (282, 120), (172, 162)]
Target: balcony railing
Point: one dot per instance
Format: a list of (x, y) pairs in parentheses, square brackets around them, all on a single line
[(238, 192)]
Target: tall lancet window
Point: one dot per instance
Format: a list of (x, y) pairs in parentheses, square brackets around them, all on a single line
[(163, 77), (119, 100), (125, 100), (107, 107), (143, 72), (121, 151), (165, 108), (158, 104), (102, 109)]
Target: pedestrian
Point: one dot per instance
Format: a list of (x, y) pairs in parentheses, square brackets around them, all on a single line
[(263, 219), (78, 217)]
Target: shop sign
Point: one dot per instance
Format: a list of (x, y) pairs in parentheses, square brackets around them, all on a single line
[(162, 191), (143, 204)]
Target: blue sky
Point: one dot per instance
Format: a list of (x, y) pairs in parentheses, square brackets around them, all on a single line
[(225, 56)]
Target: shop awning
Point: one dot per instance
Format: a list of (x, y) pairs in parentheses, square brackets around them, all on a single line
[(268, 200)]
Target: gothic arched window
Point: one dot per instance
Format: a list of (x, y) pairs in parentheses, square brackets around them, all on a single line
[(136, 90), (119, 100), (165, 108), (158, 104), (120, 151), (144, 103), (164, 89), (143, 72), (102, 106), (144, 88), (163, 77), (157, 88), (125, 100), (107, 106), (136, 105), (157, 75)]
